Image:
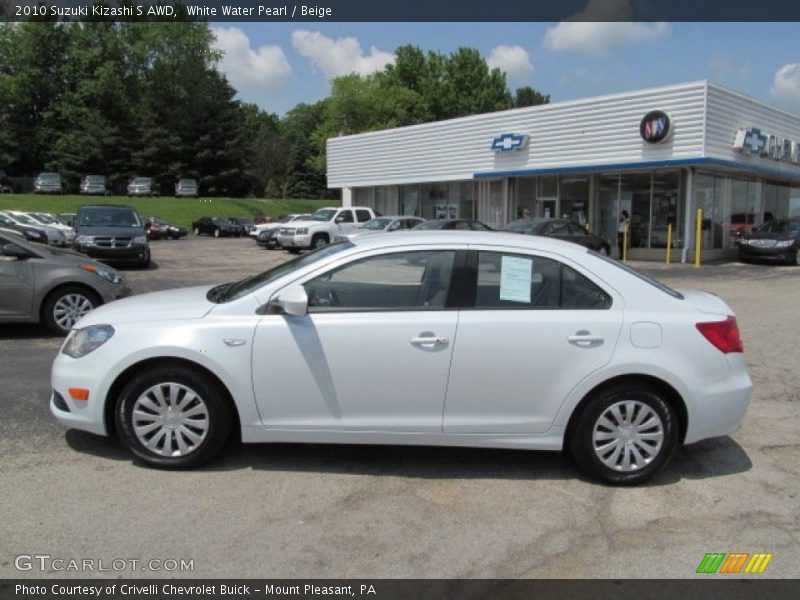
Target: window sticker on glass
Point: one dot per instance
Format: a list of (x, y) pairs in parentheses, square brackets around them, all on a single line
[(515, 279)]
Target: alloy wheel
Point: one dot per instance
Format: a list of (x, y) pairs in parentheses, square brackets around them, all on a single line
[(628, 436), (170, 419), (69, 308)]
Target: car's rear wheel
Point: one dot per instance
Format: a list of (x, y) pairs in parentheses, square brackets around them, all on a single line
[(65, 306), (173, 417), (145, 262), (625, 435)]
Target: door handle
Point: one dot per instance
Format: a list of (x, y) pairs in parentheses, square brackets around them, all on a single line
[(584, 339), (429, 341)]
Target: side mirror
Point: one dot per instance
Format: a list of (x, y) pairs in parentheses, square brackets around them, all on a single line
[(293, 301), (16, 251)]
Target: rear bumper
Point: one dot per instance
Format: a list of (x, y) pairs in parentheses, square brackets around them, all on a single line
[(719, 408)]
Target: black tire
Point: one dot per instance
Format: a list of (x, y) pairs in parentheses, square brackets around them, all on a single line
[(581, 441), (318, 241), (48, 307), (294, 250), (145, 262), (208, 391)]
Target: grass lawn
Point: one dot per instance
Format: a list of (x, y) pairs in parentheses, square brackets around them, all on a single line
[(179, 211)]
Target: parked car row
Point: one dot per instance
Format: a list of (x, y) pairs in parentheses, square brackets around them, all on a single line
[(43, 228), (98, 185)]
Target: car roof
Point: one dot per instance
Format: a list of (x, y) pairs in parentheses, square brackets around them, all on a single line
[(458, 237)]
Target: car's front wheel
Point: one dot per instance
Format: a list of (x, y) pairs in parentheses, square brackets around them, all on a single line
[(318, 241), (625, 435), (65, 306), (173, 417)]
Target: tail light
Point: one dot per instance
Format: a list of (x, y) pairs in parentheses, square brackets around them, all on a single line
[(724, 335)]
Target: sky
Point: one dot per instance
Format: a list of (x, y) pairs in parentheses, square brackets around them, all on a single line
[(278, 65)]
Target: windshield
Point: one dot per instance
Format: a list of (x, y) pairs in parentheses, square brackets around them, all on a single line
[(95, 179), (109, 217), (187, 182), (525, 225), (232, 291), (25, 219), (377, 224), (49, 176), (42, 219), (142, 180), (781, 226), (431, 225), (324, 214)]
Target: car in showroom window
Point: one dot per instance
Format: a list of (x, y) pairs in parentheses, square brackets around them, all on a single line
[(434, 338)]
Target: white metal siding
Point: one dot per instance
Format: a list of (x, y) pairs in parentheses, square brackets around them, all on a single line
[(729, 111), (593, 131)]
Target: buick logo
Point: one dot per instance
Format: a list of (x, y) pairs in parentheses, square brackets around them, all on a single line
[(655, 127)]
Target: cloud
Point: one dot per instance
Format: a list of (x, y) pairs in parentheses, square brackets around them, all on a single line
[(725, 68), (600, 28), (339, 57), (514, 60), (247, 69), (786, 85)]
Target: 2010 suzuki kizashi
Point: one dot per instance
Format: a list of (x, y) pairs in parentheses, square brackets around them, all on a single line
[(434, 338)]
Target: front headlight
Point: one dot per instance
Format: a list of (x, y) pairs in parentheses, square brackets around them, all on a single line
[(784, 243), (83, 341), (139, 240), (301, 231), (103, 272), (85, 240)]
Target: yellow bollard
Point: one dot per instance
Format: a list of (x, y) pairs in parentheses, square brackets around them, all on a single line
[(669, 241), (698, 242), (625, 243)]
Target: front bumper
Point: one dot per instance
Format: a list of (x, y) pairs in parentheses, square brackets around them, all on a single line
[(748, 252), (132, 253), (69, 373), (294, 241)]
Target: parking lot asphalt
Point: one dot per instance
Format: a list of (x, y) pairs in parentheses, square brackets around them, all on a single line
[(297, 510)]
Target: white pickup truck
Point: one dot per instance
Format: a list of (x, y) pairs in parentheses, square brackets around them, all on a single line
[(322, 227)]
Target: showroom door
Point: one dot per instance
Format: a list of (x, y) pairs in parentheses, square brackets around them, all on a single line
[(372, 354)]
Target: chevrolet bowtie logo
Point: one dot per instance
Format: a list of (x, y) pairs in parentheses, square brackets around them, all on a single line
[(509, 141)]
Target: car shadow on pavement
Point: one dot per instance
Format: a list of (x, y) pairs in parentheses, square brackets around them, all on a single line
[(717, 457), (25, 331), (136, 268)]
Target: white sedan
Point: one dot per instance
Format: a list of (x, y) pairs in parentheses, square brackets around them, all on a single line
[(435, 338)]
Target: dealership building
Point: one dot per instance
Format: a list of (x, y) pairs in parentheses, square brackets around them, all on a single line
[(658, 153)]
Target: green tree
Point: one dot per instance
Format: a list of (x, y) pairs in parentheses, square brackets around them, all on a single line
[(527, 96)]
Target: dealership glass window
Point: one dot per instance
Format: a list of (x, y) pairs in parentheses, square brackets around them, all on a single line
[(417, 280), (608, 206), (459, 198), (745, 206), (364, 196), (635, 191), (706, 199), (409, 200), (526, 196), (575, 198), (548, 186), (434, 201), (666, 210)]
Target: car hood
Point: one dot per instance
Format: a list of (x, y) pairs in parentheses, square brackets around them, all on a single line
[(170, 305), (706, 302), (770, 235), (305, 223), (109, 231)]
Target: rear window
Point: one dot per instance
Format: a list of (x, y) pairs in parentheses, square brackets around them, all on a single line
[(646, 278)]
